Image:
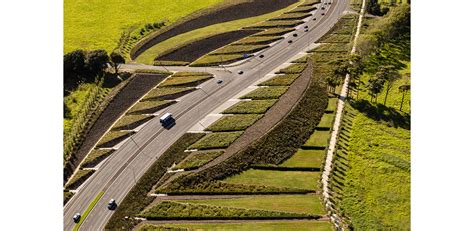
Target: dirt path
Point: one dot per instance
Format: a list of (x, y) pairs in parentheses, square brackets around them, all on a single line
[(337, 122)]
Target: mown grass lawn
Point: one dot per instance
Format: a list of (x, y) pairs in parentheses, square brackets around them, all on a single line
[(216, 140), (234, 122), (184, 81), (318, 139), (326, 121), (292, 179), (266, 93), (251, 107), (252, 226), (149, 55), (310, 203), (305, 158), (332, 104), (99, 24)]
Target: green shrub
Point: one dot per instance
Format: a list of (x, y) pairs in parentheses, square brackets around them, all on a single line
[(167, 93), (137, 199), (95, 156), (280, 80), (234, 122), (198, 159), (293, 69), (176, 210), (190, 81), (216, 140), (128, 122), (303, 59), (112, 138), (327, 56), (251, 107), (266, 93), (149, 107), (274, 32)]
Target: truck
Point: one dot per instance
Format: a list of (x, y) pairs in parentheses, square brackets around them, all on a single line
[(167, 119)]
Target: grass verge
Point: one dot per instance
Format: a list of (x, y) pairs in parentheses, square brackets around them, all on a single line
[(234, 122), (198, 159), (266, 93), (88, 210), (216, 140), (250, 107)]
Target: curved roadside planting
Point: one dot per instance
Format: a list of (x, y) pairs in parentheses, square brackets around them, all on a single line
[(223, 13)]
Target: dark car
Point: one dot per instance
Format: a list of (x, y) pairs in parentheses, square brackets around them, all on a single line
[(290, 41), (306, 30), (240, 72), (219, 81), (111, 205), (314, 19), (295, 35), (306, 27), (322, 13), (323, 8), (261, 56), (76, 218)]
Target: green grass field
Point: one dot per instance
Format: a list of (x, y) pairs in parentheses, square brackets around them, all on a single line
[(310, 203), (318, 139), (305, 159), (251, 107), (180, 40), (234, 122), (252, 226), (266, 93), (332, 104), (326, 121), (198, 159), (292, 179), (216, 140), (99, 24), (283, 80)]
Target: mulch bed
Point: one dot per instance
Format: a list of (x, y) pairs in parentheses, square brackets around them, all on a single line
[(228, 13), (194, 50), (135, 89)]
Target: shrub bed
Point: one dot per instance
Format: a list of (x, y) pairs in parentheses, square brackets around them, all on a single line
[(303, 59), (273, 24), (130, 122), (167, 93), (250, 107), (331, 47), (78, 178), (190, 81), (291, 16), (216, 140), (266, 93), (175, 210), (274, 32), (113, 138), (234, 122), (170, 63), (257, 40), (152, 71), (326, 121), (95, 157), (302, 9), (293, 69), (187, 73), (212, 60), (239, 49), (149, 107), (281, 80), (327, 56), (137, 199), (337, 38), (198, 159), (310, 2)]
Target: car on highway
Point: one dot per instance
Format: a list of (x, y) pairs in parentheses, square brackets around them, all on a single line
[(322, 13), (314, 19), (323, 8), (306, 30), (306, 27), (219, 81), (261, 56), (290, 41), (76, 218), (295, 35), (111, 205), (166, 119), (240, 72)]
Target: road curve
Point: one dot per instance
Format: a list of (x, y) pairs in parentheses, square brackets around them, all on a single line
[(120, 172)]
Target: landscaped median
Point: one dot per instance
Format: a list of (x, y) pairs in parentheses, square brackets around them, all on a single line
[(88, 210)]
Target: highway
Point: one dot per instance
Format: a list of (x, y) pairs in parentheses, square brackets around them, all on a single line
[(120, 172)]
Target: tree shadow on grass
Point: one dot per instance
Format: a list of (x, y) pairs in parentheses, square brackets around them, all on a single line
[(380, 112)]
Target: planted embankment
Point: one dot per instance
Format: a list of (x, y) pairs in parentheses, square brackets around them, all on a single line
[(212, 16), (194, 50), (133, 91)]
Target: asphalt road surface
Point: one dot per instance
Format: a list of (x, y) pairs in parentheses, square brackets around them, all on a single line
[(120, 172)]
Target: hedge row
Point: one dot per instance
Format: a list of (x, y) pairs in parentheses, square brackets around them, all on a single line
[(167, 210), (136, 200), (277, 145)]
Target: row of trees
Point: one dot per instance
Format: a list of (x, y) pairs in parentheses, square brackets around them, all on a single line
[(87, 66), (394, 25)]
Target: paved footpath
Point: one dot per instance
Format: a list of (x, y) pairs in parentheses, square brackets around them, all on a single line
[(335, 131)]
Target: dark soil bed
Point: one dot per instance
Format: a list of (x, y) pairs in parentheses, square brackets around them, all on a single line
[(135, 89), (211, 17), (194, 50)]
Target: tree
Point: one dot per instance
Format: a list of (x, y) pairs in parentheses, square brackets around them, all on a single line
[(389, 74), (403, 88), (333, 82), (375, 86), (74, 69), (356, 69), (96, 63), (338, 73), (116, 59)]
